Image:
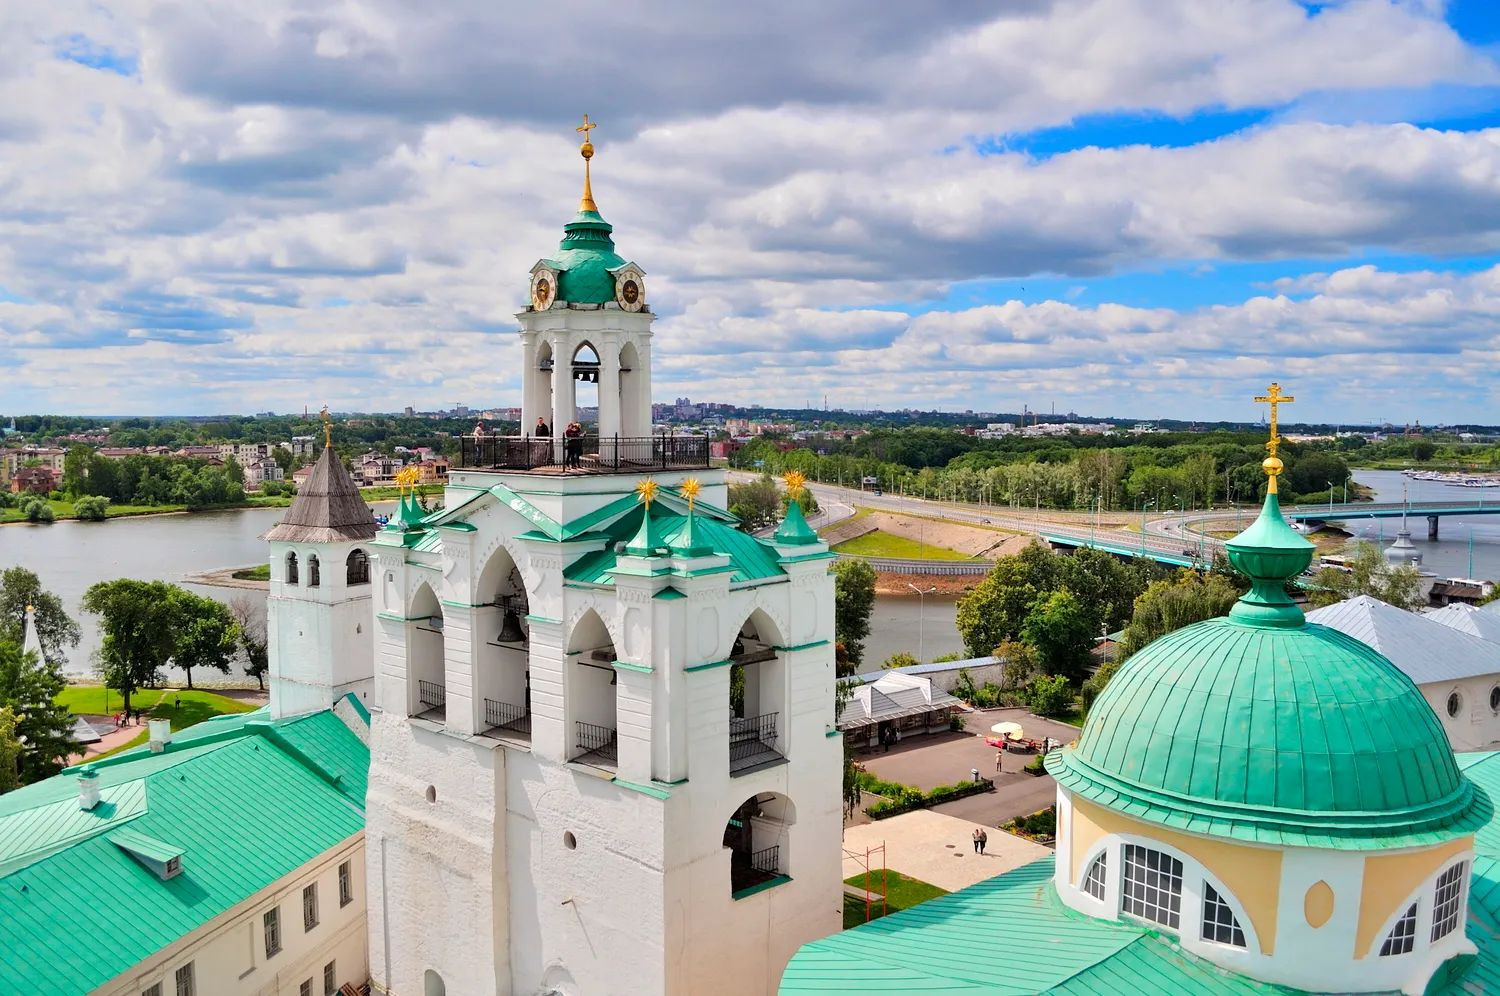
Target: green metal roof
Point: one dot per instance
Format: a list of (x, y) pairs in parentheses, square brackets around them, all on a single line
[(749, 558), (584, 260), (243, 802), (1271, 735), (794, 530)]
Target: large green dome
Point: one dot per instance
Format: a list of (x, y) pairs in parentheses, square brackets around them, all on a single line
[(584, 260), (1262, 727)]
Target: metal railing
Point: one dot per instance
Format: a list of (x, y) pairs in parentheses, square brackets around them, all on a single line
[(597, 743), (767, 860), (431, 693), (751, 739), (504, 716), (589, 454)]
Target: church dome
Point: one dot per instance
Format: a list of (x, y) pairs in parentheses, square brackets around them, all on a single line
[(584, 260), (1262, 727)]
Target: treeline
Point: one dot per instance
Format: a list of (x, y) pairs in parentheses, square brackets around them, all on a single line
[(152, 480), (1187, 470)]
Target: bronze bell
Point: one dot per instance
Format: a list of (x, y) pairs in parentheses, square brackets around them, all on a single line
[(510, 629)]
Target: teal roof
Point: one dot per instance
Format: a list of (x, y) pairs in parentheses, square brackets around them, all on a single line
[(243, 800), (1261, 727), (794, 530), (584, 260), (749, 558)]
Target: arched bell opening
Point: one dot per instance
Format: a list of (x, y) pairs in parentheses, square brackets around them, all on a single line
[(502, 679)]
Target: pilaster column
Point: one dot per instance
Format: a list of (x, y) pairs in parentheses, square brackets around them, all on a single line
[(563, 407), (458, 667), (530, 375), (609, 390), (642, 414)]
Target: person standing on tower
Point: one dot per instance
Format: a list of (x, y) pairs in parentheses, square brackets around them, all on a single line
[(542, 429)]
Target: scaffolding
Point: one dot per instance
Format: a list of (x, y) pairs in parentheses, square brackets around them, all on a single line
[(870, 897)]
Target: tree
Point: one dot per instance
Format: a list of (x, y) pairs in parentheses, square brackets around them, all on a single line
[(207, 635), (900, 658), (90, 508), (38, 509), (29, 688), (1060, 630), (76, 469), (1171, 605), (10, 751), (755, 504), (1368, 574), (1049, 695), (853, 603), (994, 610), (139, 622), (1422, 450), (250, 617), (1091, 688), (55, 629)]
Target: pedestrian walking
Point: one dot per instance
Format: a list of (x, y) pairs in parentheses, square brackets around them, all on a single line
[(984, 838), (176, 702), (976, 835), (999, 756)]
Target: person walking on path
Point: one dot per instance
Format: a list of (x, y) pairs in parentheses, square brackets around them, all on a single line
[(978, 847), (999, 756), (982, 839), (176, 702)]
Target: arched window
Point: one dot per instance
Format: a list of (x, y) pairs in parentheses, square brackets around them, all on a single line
[(1495, 698), (432, 984), (1093, 880), (357, 568), (1455, 702), (312, 571), (1403, 936), (1219, 924), (1152, 886), (291, 568), (1447, 909)]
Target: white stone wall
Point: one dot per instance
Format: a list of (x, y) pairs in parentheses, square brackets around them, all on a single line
[(320, 640), (228, 953), (1477, 726)]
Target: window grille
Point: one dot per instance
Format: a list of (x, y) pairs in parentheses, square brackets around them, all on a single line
[(272, 923), (1446, 908), (154, 989), (1403, 936), (330, 980), (1093, 881), (184, 980), (1219, 923), (346, 884), (1152, 885), (305, 989), (309, 907)]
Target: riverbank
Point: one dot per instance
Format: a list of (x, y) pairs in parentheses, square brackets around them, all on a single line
[(63, 510), (233, 577)]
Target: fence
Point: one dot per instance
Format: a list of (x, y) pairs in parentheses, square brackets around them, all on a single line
[(588, 454), (504, 716)]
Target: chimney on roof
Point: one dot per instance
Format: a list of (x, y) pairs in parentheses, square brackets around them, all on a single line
[(88, 788), (161, 734)]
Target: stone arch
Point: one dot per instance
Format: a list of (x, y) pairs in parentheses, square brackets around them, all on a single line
[(432, 984), (426, 654), (357, 567), (590, 691), (586, 367), (501, 644), (758, 839), (590, 603), (758, 694), (634, 382), (314, 571), (290, 567)]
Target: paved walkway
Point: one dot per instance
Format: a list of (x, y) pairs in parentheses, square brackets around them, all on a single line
[(937, 848)]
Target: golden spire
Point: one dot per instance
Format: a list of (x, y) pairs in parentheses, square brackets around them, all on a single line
[(646, 489), (1272, 464), (327, 429), (587, 151), (690, 489), (795, 482), (408, 478)]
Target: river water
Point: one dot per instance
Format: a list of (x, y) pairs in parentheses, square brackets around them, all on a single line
[(1449, 556)]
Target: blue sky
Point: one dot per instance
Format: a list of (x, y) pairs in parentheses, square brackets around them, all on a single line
[(1130, 207)]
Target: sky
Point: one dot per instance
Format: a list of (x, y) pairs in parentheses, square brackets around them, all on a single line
[(1138, 208)]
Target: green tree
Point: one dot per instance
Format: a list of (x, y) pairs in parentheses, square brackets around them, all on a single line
[(38, 509), (55, 629), (994, 610), (900, 658), (1422, 450), (76, 469), (755, 504), (853, 603), (90, 508), (139, 620), (29, 688), (1049, 695), (10, 751), (1060, 630), (1171, 605), (250, 617), (207, 635), (1368, 574), (1100, 678)]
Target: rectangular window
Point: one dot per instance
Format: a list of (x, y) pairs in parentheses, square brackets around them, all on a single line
[(346, 884), (305, 989), (330, 980), (184, 978), (154, 989), (1152, 886), (1403, 936), (1446, 908), (1093, 882), (1219, 924), (310, 907), (272, 921)]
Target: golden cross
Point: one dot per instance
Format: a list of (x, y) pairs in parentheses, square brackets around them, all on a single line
[(646, 491), (1274, 398), (586, 127), (327, 429)]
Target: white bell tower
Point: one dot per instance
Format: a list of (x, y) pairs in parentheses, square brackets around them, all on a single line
[(318, 618), (603, 752)]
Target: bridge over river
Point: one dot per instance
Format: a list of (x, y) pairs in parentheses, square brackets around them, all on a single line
[(1433, 510)]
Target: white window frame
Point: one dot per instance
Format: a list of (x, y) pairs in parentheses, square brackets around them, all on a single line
[(1458, 899), (1425, 899), (191, 978), (1235, 925), (1101, 861), (1413, 911), (1164, 869), (331, 979), (309, 907), (346, 883), (270, 924)]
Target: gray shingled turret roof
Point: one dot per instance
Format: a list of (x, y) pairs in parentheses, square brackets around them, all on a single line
[(327, 509)]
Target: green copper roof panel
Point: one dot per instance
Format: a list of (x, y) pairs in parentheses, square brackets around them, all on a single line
[(197, 802), (749, 558)]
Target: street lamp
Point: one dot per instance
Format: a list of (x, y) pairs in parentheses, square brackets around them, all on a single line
[(1330, 496), (1144, 505), (921, 618)]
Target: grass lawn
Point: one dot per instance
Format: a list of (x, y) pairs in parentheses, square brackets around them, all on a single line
[(196, 707), (883, 544), (260, 572), (901, 893)]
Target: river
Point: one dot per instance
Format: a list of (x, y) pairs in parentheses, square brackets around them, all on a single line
[(1449, 556)]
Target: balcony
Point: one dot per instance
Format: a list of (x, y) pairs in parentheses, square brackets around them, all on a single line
[(752, 869), (753, 743), (597, 745), (588, 454), (435, 697), (504, 718)]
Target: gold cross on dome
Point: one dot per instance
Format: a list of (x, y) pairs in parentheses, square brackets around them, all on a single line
[(586, 127), (1274, 398)]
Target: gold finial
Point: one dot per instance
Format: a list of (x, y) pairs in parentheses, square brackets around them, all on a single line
[(327, 429), (1272, 464), (646, 489), (587, 151), (795, 482), (408, 478), (690, 489)]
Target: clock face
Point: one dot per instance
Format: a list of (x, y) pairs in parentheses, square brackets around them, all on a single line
[(541, 292), (631, 292)]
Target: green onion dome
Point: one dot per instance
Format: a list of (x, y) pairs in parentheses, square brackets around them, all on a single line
[(584, 260), (1265, 728)]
